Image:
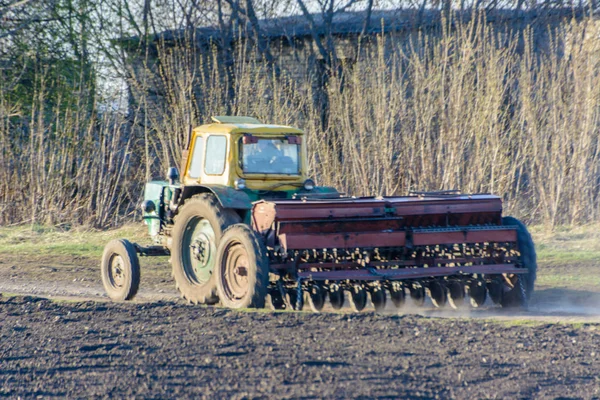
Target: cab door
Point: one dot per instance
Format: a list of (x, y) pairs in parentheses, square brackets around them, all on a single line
[(196, 162), (216, 165)]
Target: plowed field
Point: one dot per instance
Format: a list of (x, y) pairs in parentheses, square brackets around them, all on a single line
[(167, 350), (60, 336)]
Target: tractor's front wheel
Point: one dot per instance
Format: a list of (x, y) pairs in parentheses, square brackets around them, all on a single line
[(120, 270), (197, 231), (242, 268)]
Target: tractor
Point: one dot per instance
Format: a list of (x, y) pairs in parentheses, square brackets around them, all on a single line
[(244, 225)]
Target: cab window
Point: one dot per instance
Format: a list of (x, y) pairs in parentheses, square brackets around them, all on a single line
[(270, 156), (216, 151), (197, 154)]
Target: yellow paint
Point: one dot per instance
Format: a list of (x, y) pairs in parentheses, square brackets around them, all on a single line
[(234, 128)]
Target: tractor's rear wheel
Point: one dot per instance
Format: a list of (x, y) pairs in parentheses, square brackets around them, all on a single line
[(197, 232), (120, 270), (242, 268), (522, 284)]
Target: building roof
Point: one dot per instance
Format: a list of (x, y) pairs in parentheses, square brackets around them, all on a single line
[(353, 23)]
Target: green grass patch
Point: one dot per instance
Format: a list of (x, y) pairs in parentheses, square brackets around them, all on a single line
[(566, 280), (11, 294), (511, 323), (563, 245), (40, 240), (567, 244), (534, 323)]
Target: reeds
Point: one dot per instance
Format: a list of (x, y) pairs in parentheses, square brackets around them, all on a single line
[(473, 109)]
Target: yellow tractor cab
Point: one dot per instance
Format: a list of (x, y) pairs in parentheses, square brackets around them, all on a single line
[(242, 153), (238, 161)]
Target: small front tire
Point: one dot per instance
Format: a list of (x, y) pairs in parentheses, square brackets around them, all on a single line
[(120, 270)]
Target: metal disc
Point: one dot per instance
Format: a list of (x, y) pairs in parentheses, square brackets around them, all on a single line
[(336, 296), (496, 291), (358, 298), (437, 292), (116, 268), (456, 294), (276, 301), (477, 293), (292, 300), (316, 297), (397, 294), (199, 258), (378, 298), (234, 273), (417, 294)]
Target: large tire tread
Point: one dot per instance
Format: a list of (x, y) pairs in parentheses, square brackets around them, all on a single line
[(259, 266), (519, 296), (220, 219)]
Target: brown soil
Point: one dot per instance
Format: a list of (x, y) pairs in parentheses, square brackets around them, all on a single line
[(158, 347)]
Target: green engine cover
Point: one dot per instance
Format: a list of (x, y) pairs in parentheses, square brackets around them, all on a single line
[(156, 193), (161, 192)]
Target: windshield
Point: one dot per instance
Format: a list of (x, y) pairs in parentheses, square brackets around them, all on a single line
[(270, 156)]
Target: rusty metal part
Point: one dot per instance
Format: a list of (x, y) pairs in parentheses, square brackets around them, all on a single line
[(438, 241), (234, 272), (292, 241), (410, 273), (370, 214), (451, 235)]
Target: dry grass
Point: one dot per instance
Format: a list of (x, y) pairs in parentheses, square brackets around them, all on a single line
[(464, 110)]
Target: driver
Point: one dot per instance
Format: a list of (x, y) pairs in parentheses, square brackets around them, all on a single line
[(267, 153)]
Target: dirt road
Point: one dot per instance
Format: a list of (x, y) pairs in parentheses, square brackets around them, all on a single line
[(159, 347), (69, 279)]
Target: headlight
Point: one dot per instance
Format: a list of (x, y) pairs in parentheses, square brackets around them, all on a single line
[(240, 184), (309, 184), (148, 206)]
